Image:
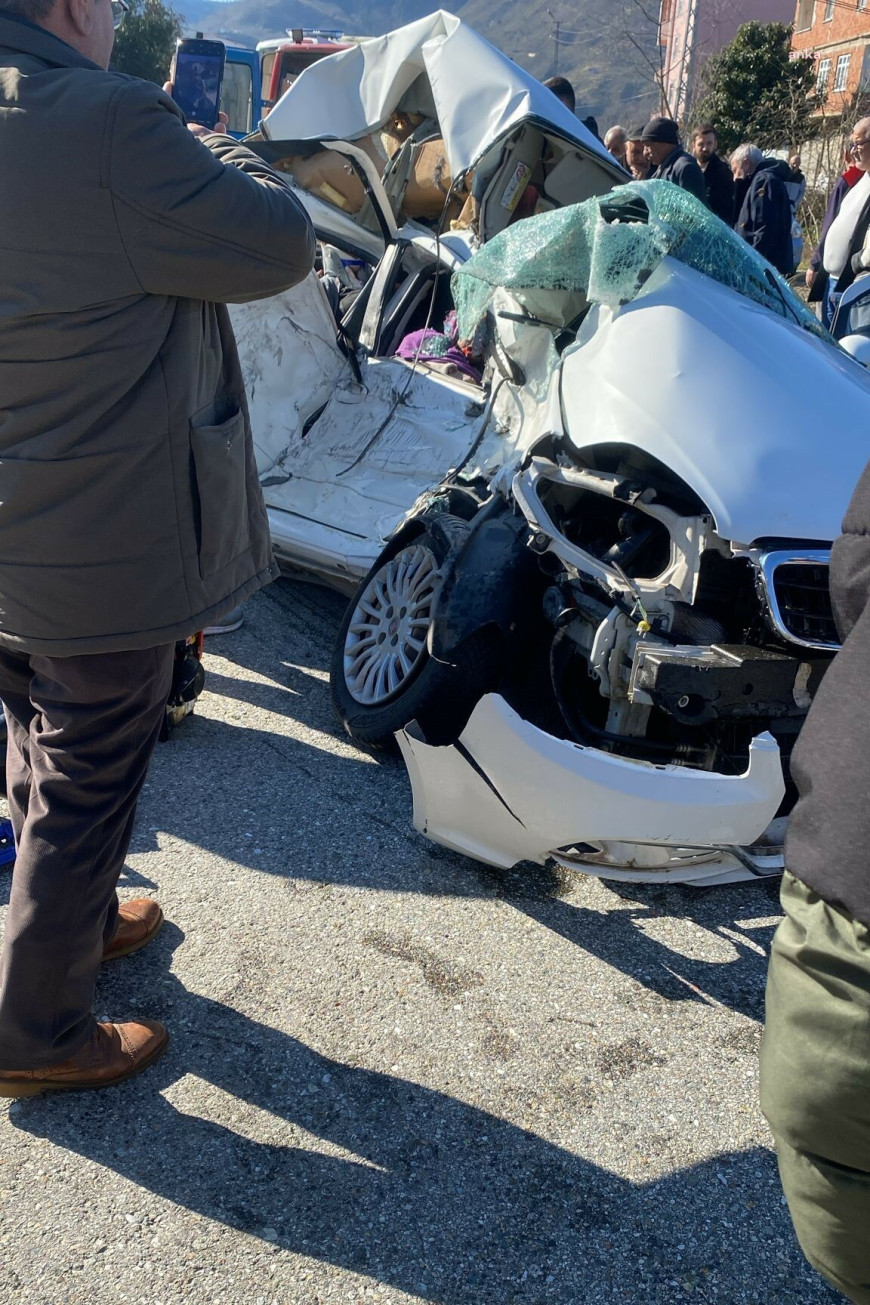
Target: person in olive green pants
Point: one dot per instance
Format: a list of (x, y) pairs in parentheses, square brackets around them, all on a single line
[(815, 1087), (815, 1062)]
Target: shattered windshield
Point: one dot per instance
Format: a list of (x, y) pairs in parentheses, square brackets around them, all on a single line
[(607, 248)]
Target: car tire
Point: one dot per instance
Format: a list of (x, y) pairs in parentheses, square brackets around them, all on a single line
[(375, 690)]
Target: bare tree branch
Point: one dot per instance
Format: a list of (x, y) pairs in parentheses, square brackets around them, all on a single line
[(651, 65)]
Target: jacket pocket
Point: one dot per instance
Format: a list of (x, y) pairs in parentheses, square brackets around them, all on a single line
[(219, 469)]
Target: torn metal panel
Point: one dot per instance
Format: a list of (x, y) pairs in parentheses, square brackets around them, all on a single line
[(373, 452), (688, 535), (438, 67), (290, 363), (430, 125)]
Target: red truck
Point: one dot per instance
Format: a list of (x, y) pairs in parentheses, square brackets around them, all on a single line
[(282, 60), (254, 80)]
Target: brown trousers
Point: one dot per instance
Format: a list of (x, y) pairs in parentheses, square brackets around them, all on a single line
[(81, 734)]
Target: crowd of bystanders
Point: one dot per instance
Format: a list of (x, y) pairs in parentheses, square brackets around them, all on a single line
[(758, 196)]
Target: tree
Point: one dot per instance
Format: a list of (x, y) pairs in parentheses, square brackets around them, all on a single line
[(146, 42), (644, 30), (756, 92), (635, 24)]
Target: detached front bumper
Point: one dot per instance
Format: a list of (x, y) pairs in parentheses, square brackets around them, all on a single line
[(508, 792)]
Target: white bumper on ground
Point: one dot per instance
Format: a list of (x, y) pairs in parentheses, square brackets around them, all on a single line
[(508, 792)]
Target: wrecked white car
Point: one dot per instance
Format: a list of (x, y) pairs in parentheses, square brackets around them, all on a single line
[(593, 542), (409, 151)]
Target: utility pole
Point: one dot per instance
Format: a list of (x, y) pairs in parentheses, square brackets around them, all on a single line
[(558, 23)]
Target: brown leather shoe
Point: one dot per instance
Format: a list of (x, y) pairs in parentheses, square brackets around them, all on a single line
[(138, 922), (114, 1053)]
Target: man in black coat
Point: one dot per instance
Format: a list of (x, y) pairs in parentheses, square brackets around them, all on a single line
[(765, 216), (815, 1063), (717, 174), (661, 145)]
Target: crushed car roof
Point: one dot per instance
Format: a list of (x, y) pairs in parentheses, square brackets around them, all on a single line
[(437, 66)]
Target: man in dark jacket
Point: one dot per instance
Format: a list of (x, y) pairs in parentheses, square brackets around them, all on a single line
[(718, 180), (815, 1069), (130, 511), (765, 216), (661, 145)]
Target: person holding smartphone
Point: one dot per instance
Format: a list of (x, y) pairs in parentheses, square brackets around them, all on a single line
[(196, 79), (130, 510)]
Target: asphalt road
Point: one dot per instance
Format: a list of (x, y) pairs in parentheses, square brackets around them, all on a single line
[(396, 1075)]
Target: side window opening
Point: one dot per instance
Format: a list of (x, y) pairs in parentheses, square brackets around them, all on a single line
[(237, 97)]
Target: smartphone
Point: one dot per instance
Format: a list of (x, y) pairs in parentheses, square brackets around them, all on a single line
[(197, 78)]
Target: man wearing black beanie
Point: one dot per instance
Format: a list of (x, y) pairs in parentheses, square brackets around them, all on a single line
[(661, 145)]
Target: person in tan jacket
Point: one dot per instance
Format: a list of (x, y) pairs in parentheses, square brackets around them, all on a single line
[(130, 511)]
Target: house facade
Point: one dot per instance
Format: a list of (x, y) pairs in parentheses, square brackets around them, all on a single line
[(837, 35), (691, 30)]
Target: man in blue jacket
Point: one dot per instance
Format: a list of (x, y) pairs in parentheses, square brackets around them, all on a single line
[(765, 216)]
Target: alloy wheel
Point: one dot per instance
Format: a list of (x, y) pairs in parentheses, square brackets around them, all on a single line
[(386, 639)]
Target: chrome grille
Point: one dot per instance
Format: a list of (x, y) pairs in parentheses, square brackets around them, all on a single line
[(805, 602), (798, 597)]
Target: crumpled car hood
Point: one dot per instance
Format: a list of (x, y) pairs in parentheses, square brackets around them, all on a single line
[(437, 66), (769, 424)]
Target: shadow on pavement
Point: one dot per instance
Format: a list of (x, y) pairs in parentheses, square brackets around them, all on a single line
[(623, 939), (303, 809), (432, 1196), (367, 1171)]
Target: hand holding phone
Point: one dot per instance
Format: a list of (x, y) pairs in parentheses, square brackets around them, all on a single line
[(197, 77)]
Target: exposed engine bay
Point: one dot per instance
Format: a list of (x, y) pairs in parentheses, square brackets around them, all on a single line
[(665, 644)]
